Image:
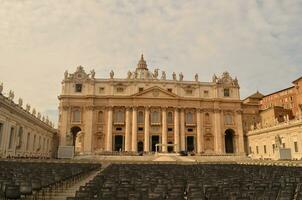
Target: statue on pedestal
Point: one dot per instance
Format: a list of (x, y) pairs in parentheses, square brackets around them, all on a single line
[(1, 88), (174, 76), (155, 74), (163, 75), (214, 78), (20, 102), (11, 95), (92, 74), (129, 74), (66, 74), (181, 76), (196, 77), (27, 107), (111, 74)]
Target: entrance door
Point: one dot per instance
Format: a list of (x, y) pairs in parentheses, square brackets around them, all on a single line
[(190, 143), (229, 141), (154, 141), (118, 143), (140, 146), (170, 148)]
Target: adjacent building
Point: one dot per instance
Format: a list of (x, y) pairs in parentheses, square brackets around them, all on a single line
[(148, 109), (24, 132)]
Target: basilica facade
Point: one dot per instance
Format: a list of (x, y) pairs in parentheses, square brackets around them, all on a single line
[(147, 111)]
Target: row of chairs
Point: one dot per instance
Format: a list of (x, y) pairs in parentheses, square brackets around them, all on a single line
[(35, 179), (193, 182)]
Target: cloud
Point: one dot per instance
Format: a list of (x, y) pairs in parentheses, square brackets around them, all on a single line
[(257, 41)]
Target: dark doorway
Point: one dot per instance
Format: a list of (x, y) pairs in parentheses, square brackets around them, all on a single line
[(140, 146), (170, 148), (74, 131), (118, 143), (190, 143), (154, 141), (229, 141)]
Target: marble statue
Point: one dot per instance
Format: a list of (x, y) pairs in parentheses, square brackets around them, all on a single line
[(27, 107), (11, 95), (20, 102), (92, 74), (196, 77), (43, 119), (181, 76), (39, 115), (163, 75), (34, 111), (111, 74), (155, 74), (214, 79), (1, 88), (135, 75), (129, 74), (66, 74), (174, 76)]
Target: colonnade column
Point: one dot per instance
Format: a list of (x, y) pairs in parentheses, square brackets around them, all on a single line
[(198, 119), (127, 131), (147, 130), (109, 130), (134, 129), (164, 129), (240, 132), (217, 131), (176, 130), (182, 130)]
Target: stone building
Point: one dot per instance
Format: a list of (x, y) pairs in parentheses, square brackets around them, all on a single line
[(147, 108), (24, 132)]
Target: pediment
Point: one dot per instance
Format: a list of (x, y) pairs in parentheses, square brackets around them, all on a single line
[(155, 92)]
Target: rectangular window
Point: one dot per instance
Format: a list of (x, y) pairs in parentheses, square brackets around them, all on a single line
[(101, 90), (273, 146), (296, 146), (76, 116), (189, 92), (140, 128), (226, 92), (78, 87), (190, 130), (257, 150), (140, 89), (170, 129), (11, 138), (120, 89), (264, 149), (118, 129), (206, 93)]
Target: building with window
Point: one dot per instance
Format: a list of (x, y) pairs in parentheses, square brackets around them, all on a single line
[(146, 108), (23, 132)]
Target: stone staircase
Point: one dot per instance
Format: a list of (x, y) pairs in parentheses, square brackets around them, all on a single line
[(71, 190)]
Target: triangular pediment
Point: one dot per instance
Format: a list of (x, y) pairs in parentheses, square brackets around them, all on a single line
[(155, 92)]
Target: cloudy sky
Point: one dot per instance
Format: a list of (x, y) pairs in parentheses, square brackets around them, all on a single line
[(260, 42)]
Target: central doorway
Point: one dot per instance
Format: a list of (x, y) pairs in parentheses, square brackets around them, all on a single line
[(154, 141), (140, 146), (229, 141), (118, 143), (190, 143)]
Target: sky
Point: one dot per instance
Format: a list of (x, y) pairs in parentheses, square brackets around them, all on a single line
[(259, 42)]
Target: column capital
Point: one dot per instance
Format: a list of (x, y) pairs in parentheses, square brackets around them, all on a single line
[(128, 108), (134, 108), (199, 110), (109, 107), (147, 107), (217, 110), (164, 108), (240, 111)]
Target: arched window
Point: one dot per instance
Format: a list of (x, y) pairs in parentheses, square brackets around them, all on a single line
[(228, 119), (76, 116), (207, 118), (170, 118), (100, 117), (189, 118), (140, 117), (155, 118), (119, 116)]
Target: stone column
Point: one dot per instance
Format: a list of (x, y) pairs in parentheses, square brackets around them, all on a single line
[(176, 130), (127, 131), (134, 129), (217, 131), (164, 129), (109, 130), (147, 130), (64, 128), (88, 129), (182, 130), (199, 136), (240, 147)]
